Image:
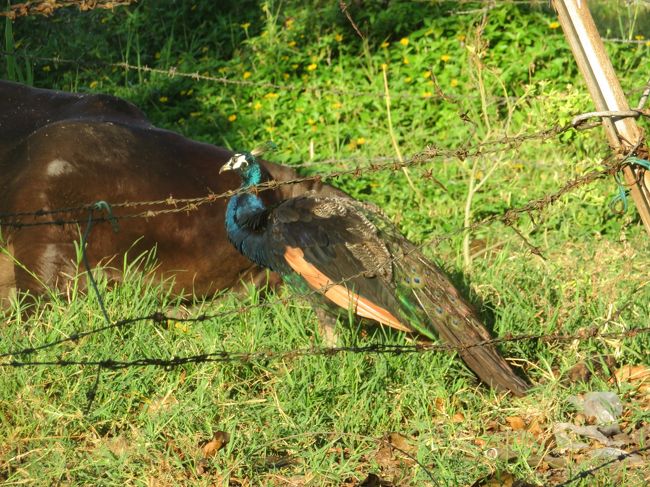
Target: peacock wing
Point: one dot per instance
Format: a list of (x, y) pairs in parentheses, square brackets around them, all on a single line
[(335, 250)]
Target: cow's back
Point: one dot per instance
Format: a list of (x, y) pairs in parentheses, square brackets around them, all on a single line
[(67, 150)]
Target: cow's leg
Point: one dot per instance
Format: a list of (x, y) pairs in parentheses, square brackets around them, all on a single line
[(7, 275), (42, 266)]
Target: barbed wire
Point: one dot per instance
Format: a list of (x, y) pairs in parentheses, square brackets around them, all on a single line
[(507, 217), (223, 356), (174, 72), (48, 7), (181, 205)]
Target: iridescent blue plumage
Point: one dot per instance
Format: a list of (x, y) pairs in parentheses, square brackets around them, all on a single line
[(356, 259)]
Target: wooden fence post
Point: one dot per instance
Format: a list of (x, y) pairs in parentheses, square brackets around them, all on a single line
[(623, 134)]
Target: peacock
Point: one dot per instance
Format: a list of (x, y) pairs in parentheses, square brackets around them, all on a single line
[(354, 258)]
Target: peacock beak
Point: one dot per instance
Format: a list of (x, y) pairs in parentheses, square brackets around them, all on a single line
[(227, 166)]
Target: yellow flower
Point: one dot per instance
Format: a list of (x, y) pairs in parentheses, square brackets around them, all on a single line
[(461, 37), (163, 99), (47, 68), (289, 23), (404, 41), (445, 57), (270, 129), (222, 69), (408, 79), (384, 66), (361, 141), (336, 105), (299, 109), (314, 128), (426, 74), (554, 25), (647, 43), (405, 60), (257, 106), (338, 37), (384, 44), (232, 118), (246, 75), (292, 44), (311, 121), (271, 96), (639, 37), (427, 94), (294, 66), (93, 85), (245, 25), (182, 327), (285, 75), (454, 82), (312, 67)]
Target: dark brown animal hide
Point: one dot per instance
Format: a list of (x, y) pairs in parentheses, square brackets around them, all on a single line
[(62, 150)]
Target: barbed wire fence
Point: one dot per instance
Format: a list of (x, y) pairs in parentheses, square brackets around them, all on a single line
[(86, 214), (610, 166)]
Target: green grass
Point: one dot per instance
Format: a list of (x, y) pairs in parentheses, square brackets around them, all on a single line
[(328, 420)]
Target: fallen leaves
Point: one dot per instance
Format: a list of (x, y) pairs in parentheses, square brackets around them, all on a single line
[(218, 441), (636, 375), (516, 423)]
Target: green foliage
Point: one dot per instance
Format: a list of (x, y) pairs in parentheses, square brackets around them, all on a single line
[(297, 73)]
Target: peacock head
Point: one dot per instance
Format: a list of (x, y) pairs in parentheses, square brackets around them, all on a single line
[(244, 163)]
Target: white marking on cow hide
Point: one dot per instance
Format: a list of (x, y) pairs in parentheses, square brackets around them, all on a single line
[(49, 262), (58, 167)]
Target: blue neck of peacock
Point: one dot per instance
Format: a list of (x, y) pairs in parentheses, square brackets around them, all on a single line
[(243, 214)]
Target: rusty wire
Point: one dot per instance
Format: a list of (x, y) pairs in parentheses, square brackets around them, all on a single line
[(48, 7), (180, 205)]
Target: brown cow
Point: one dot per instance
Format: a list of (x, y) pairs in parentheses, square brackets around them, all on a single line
[(65, 150)]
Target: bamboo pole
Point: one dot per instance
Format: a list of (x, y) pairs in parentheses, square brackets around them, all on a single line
[(623, 134)]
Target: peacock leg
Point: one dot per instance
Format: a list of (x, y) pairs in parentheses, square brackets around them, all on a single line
[(326, 327)]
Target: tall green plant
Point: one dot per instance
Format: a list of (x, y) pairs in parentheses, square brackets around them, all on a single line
[(13, 70)]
